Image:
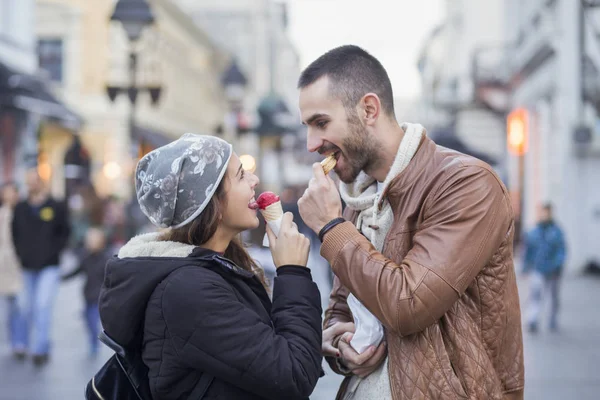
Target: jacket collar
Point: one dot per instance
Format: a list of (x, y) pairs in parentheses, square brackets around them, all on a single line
[(218, 259), (150, 245), (410, 174)]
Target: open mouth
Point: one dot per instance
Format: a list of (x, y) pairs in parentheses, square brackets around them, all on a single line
[(252, 204)]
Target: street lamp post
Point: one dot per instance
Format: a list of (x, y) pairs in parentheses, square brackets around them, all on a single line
[(234, 82), (134, 15)]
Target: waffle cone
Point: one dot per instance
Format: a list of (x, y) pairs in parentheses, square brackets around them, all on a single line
[(328, 164), (272, 212)]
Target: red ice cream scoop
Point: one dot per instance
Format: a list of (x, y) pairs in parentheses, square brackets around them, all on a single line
[(266, 199)]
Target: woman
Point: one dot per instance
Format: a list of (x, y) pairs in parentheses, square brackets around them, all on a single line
[(196, 293), (11, 281)]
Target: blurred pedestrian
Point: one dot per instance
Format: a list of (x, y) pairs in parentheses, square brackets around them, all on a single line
[(40, 232), (545, 253), (194, 298), (11, 280), (96, 254), (86, 209), (115, 223)]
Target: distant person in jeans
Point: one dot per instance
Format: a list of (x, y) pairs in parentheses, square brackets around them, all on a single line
[(40, 233), (545, 252), (92, 264), (11, 280)]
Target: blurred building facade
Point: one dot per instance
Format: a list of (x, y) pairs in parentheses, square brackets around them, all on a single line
[(552, 66), (451, 105), (92, 54), (542, 58), (255, 33), (29, 107)]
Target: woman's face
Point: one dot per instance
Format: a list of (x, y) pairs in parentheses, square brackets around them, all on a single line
[(10, 195), (237, 214)]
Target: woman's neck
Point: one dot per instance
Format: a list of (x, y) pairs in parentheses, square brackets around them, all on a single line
[(219, 241)]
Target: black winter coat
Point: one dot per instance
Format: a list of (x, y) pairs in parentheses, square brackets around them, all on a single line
[(40, 233), (211, 316)]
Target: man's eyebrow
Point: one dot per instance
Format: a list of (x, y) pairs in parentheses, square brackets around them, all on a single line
[(239, 170), (313, 118)]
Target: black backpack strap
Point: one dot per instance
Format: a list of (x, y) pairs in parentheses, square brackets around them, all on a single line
[(201, 387)]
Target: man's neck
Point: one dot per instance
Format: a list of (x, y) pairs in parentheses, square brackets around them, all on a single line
[(390, 140)]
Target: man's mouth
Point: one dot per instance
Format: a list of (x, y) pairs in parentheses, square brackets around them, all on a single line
[(335, 154)]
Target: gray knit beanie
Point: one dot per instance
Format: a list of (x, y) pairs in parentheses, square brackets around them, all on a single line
[(174, 183)]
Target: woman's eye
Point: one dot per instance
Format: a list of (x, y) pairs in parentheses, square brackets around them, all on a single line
[(242, 175)]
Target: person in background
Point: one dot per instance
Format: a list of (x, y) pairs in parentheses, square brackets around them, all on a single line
[(11, 281), (545, 253), (41, 230), (93, 262)]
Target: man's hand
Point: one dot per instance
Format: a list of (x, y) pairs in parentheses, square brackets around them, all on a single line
[(331, 333), (321, 201), (363, 364)]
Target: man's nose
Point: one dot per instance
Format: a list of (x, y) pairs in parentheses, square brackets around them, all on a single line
[(313, 141)]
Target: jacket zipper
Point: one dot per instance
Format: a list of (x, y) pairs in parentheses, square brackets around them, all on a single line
[(96, 390)]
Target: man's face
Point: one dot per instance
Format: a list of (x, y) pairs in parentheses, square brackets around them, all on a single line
[(332, 130), (33, 181), (545, 214)]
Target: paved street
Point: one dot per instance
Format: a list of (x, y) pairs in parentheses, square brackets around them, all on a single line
[(559, 366)]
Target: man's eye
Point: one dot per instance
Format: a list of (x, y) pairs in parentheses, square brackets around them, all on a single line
[(321, 124)]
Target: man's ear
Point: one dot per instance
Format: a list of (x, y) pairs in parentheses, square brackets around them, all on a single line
[(371, 108)]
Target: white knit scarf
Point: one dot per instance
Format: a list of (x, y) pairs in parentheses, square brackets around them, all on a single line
[(362, 196)]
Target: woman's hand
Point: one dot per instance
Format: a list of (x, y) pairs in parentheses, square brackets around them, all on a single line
[(290, 247)]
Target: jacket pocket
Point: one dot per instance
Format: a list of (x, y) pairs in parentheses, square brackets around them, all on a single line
[(451, 374)]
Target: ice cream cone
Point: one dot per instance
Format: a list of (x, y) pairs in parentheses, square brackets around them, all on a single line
[(273, 212), (329, 163)]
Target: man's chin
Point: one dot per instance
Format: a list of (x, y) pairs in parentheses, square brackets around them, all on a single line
[(347, 177)]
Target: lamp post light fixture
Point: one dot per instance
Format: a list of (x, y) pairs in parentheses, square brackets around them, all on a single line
[(135, 16)]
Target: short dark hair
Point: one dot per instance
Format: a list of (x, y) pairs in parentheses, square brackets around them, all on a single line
[(547, 207), (353, 73)]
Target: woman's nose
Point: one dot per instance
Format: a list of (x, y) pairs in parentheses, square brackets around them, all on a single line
[(255, 181)]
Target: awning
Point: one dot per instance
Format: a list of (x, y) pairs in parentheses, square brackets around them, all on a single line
[(30, 93)]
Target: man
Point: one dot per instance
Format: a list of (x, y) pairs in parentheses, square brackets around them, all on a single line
[(40, 233), (426, 246), (545, 253)]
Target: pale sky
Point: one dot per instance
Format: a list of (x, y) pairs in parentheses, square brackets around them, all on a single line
[(391, 30)]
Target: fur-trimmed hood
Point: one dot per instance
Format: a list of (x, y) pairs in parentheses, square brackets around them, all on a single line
[(149, 245), (131, 277)]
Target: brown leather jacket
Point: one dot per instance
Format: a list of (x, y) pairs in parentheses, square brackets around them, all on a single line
[(445, 287)]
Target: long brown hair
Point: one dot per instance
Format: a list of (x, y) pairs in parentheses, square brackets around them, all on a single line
[(201, 229)]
